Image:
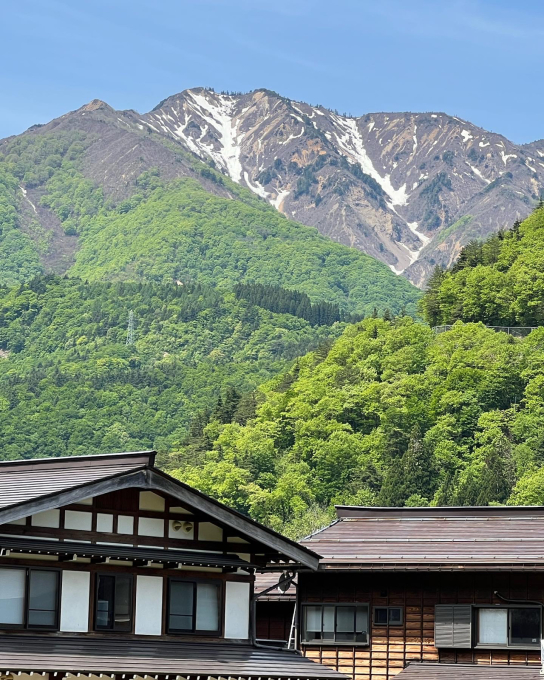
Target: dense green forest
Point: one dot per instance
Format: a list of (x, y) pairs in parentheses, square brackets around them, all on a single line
[(390, 414), (177, 230), (499, 282), (69, 384)]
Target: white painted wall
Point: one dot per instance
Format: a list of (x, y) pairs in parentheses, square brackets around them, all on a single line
[(148, 605), (237, 610), (104, 522), (209, 532), (47, 518), (125, 524), (148, 526), (74, 604), (151, 501), (75, 519)]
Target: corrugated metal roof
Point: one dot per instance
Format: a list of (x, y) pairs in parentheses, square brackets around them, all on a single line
[(28, 480), (141, 657), (439, 671), (432, 536)]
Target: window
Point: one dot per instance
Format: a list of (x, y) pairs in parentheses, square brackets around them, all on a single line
[(193, 607), (29, 598), (113, 602), (388, 616), (335, 623), (509, 626)]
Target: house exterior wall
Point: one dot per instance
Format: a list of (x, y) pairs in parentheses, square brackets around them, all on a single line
[(144, 519), (390, 649)]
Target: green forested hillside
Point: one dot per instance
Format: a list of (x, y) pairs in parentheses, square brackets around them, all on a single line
[(170, 230), (69, 384), (392, 415), (499, 282)]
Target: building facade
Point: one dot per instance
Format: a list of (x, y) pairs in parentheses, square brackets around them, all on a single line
[(110, 567), (440, 592)]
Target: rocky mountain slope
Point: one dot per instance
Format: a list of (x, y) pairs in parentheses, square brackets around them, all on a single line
[(409, 189), (99, 194)]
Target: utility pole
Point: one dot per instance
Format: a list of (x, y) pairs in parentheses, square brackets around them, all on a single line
[(130, 330)]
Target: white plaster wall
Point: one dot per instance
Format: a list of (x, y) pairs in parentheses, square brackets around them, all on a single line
[(104, 522), (148, 526), (75, 519), (125, 524), (209, 532), (48, 518), (74, 604), (148, 605), (237, 610), (151, 501)]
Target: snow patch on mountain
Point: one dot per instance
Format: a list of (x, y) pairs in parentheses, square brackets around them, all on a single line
[(351, 144)]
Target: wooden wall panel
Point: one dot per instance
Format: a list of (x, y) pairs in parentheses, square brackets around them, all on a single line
[(391, 649)]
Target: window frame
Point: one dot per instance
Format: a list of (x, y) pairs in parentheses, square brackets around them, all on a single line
[(509, 644), (388, 624), (114, 630), (335, 643), (26, 609), (220, 607)]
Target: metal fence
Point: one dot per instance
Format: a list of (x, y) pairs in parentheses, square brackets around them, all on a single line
[(516, 331)]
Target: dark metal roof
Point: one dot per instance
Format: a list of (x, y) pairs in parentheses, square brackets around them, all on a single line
[(26, 480), (141, 657), (35, 546), (439, 671), (432, 538)]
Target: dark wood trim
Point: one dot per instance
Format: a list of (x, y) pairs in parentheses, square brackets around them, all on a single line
[(118, 569), (148, 479), (129, 539), (221, 514)]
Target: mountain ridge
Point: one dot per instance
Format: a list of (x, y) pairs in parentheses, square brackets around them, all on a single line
[(409, 189)]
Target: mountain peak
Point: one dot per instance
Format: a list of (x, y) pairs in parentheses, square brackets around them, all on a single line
[(94, 105)]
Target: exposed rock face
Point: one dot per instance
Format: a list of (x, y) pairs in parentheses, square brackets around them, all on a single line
[(408, 189)]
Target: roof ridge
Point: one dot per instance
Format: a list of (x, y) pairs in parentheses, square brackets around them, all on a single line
[(78, 460)]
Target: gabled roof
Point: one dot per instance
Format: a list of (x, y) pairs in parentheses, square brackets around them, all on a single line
[(442, 671), (33, 486), (432, 538), (26, 480)]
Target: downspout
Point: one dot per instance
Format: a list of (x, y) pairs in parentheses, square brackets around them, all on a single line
[(286, 582)]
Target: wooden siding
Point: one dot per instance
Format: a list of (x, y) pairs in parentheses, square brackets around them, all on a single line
[(391, 649), (273, 619)]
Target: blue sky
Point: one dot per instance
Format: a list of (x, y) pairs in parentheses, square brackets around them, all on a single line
[(481, 60)]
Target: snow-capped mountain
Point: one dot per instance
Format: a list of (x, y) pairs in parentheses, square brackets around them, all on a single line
[(409, 189)]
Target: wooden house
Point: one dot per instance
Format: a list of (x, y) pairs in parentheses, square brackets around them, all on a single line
[(111, 568), (427, 593)]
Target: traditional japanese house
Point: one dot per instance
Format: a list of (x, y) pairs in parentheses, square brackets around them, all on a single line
[(109, 567), (431, 593)]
